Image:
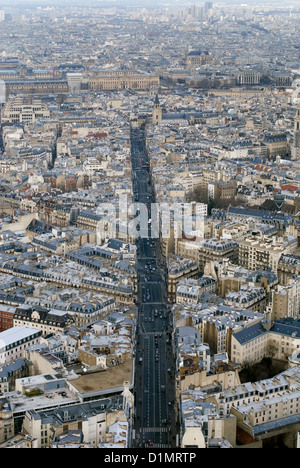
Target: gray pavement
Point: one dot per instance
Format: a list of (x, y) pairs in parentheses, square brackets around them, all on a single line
[(155, 419)]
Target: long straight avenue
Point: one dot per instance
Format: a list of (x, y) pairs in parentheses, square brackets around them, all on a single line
[(155, 416)]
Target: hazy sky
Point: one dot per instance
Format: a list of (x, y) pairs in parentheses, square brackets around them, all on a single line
[(141, 3)]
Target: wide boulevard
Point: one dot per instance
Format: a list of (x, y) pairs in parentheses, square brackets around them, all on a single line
[(155, 420)]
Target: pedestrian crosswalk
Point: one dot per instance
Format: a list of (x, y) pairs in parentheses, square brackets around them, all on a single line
[(161, 332), (155, 429), (160, 446)]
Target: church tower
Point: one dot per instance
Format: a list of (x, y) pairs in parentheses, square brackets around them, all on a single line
[(156, 112)]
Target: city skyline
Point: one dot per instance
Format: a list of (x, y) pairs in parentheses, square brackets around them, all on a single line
[(155, 4)]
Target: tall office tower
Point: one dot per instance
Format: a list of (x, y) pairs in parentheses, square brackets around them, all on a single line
[(192, 11), (2, 15)]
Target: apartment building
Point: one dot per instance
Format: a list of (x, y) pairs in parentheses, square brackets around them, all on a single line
[(271, 416), (269, 218), (198, 371), (60, 242), (288, 266), (83, 313), (286, 301), (231, 278), (190, 290), (217, 324), (248, 297), (259, 408), (295, 149), (104, 227), (215, 250), (90, 419), (250, 393), (187, 248), (179, 269), (210, 176), (15, 341), (39, 318), (194, 421), (123, 294), (20, 441), (11, 372), (284, 338), (278, 339), (249, 345), (220, 191), (6, 420), (262, 253), (201, 424), (6, 317)]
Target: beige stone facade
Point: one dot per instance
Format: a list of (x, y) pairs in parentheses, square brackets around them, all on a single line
[(46, 431), (184, 268), (123, 81), (20, 441), (21, 110), (261, 253), (248, 78), (276, 147), (288, 266), (37, 87), (44, 362), (215, 250), (250, 352), (6, 421), (270, 410), (276, 343), (286, 301), (198, 58), (200, 379)]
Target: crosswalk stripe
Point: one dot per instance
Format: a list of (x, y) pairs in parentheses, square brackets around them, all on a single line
[(155, 429)]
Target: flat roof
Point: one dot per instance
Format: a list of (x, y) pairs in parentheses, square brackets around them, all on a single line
[(54, 398), (39, 379), (105, 380), (14, 334)]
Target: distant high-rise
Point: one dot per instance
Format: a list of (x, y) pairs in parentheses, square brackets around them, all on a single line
[(208, 6)]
